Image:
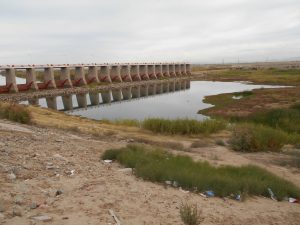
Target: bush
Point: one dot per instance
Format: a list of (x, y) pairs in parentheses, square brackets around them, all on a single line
[(256, 138), (190, 214), (286, 119), (220, 142), (15, 112), (183, 126), (158, 166)]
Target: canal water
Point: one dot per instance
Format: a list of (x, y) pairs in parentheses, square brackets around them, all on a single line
[(183, 102)]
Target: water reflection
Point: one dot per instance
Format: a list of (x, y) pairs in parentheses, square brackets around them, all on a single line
[(167, 100)]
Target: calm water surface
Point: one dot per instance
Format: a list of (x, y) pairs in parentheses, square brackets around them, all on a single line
[(181, 104)]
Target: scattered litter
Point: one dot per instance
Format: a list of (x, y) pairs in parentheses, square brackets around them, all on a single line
[(209, 193), (125, 170), (203, 195), (294, 200), (272, 194), (44, 218), (237, 97), (72, 172), (112, 213), (238, 197), (107, 161), (168, 182), (183, 191)]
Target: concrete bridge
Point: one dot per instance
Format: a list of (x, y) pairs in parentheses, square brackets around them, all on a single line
[(84, 74), (82, 101)]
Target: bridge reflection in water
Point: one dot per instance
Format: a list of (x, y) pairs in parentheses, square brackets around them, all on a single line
[(84, 101)]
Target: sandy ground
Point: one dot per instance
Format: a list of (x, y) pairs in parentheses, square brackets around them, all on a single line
[(59, 174)]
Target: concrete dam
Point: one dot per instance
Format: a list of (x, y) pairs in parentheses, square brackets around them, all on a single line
[(60, 76)]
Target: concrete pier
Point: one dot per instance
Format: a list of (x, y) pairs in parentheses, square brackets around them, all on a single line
[(92, 75), (65, 79), (104, 74), (158, 71), (165, 70), (143, 71), (178, 70), (49, 77), (11, 83), (114, 73), (125, 73), (135, 73), (51, 102), (31, 79), (151, 72), (95, 73), (136, 92), (172, 70), (81, 100), (126, 92), (117, 95), (106, 96), (144, 90), (79, 77), (67, 102), (94, 98)]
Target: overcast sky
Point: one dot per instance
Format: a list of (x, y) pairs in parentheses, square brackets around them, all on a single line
[(204, 31)]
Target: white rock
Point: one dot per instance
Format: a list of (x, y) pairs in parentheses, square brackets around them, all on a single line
[(11, 176), (44, 218), (125, 170)]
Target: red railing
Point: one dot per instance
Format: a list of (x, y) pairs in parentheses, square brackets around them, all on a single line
[(24, 87), (76, 82), (91, 80), (103, 78), (44, 85), (5, 89), (61, 83)]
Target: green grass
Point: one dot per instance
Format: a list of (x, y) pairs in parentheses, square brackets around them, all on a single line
[(15, 112), (157, 165), (190, 214), (183, 126), (265, 76), (284, 119), (256, 138)]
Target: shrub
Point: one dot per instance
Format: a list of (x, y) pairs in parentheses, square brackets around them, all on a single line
[(255, 138), (284, 119), (190, 214), (220, 142), (15, 112), (158, 166), (199, 144), (183, 126)]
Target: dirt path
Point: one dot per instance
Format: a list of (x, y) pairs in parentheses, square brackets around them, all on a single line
[(59, 175)]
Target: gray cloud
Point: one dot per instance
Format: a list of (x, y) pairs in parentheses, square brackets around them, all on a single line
[(67, 31)]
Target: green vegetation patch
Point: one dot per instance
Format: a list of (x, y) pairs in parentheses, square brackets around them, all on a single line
[(183, 126), (287, 119), (15, 112), (159, 166), (256, 138)]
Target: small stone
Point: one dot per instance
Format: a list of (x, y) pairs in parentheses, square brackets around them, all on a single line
[(126, 170), (33, 205), (17, 211), (1, 216), (19, 200), (58, 192), (2, 207), (168, 182), (43, 218), (65, 218), (11, 176)]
